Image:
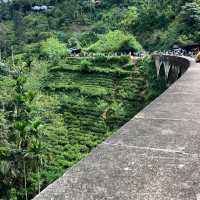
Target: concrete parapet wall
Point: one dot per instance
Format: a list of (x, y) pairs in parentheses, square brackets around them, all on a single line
[(174, 66)]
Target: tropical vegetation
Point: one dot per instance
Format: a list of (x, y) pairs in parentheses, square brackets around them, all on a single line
[(55, 106)]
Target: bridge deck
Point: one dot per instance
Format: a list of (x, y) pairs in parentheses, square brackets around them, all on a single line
[(152, 157)]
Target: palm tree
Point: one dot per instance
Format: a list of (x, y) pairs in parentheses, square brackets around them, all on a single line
[(5, 176), (21, 126), (38, 157)]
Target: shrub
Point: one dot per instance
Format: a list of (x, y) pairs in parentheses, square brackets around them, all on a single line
[(52, 48), (111, 60), (100, 59), (85, 66), (99, 28), (119, 59), (87, 38), (73, 42), (115, 41)]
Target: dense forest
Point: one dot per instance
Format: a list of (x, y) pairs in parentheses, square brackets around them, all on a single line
[(56, 107)]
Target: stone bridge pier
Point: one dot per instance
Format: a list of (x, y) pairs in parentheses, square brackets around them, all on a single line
[(155, 156)]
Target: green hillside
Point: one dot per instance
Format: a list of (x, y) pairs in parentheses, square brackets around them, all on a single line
[(90, 103), (155, 24), (55, 106), (79, 103)]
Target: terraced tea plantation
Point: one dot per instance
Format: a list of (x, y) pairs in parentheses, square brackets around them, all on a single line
[(82, 102)]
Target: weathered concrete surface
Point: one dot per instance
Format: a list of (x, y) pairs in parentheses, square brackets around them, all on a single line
[(155, 156)]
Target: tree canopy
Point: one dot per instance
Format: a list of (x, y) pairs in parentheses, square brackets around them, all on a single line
[(115, 41), (55, 107)]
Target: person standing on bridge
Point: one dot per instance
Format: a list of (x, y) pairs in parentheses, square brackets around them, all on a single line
[(197, 59)]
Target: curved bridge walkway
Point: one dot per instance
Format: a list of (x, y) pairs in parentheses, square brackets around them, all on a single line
[(155, 156)]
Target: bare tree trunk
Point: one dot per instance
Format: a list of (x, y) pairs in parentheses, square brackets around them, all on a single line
[(13, 61), (3, 106), (25, 181), (39, 188)]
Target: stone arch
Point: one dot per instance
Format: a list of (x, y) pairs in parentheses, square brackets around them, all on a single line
[(169, 71), (162, 77), (158, 63), (161, 72), (170, 76), (167, 66), (174, 74), (180, 73)]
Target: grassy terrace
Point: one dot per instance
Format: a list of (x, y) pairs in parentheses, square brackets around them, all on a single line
[(81, 108)]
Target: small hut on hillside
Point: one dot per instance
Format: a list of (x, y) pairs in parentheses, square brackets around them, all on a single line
[(41, 8), (97, 2)]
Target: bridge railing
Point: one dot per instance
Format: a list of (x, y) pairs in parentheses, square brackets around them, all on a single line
[(174, 66)]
